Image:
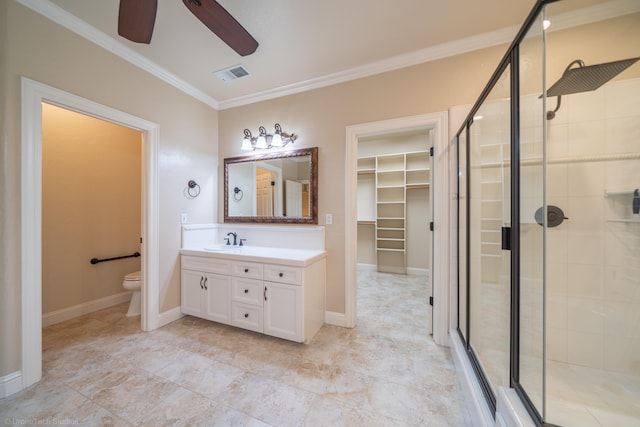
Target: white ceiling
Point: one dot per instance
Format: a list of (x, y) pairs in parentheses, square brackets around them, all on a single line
[(302, 43)]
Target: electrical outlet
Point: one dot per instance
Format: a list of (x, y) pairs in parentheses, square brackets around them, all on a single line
[(183, 218), (328, 219)]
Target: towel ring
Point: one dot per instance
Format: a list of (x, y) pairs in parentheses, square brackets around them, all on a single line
[(237, 194), (193, 189)]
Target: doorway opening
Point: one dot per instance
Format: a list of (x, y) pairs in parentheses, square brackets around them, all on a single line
[(33, 95), (394, 213), (436, 125), (91, 214)]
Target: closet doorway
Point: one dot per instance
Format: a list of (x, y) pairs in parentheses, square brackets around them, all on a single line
[(437, 125), (394, 216)]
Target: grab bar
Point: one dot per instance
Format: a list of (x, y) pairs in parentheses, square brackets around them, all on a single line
[(133, 255)]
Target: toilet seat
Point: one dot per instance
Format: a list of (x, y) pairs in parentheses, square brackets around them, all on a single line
[(133, 276)]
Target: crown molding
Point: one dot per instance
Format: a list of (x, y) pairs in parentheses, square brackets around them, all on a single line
[(71, 22), (582, 16), (611, 9), (432, 53)]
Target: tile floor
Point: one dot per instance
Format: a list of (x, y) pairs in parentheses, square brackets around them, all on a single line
[(100, 369)]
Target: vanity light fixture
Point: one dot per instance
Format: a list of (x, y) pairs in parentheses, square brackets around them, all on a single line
[(265, 140)]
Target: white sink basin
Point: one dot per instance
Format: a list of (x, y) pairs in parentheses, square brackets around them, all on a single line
[(223, 248)]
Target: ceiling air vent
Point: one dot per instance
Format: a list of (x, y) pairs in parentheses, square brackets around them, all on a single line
[(232, 73)]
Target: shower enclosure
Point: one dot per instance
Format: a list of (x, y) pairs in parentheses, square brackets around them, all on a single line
[(549, 218)]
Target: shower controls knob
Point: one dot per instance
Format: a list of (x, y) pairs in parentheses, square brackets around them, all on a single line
[(555, 216)]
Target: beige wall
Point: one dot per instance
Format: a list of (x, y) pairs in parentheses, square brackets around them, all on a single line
[(46, 52), (91, 206), (321, 116)]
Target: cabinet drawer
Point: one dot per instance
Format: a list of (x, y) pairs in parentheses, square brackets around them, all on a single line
[(248, 291), (282, 274), (250, 270), (210, 265), (247, 316)]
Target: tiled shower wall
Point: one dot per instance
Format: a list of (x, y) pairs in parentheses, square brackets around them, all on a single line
[(593, 259)]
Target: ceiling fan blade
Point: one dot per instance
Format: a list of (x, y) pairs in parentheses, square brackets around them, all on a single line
[(225, 26), (136, 19)]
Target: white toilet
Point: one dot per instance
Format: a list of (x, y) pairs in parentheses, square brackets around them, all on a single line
[(133, 282)]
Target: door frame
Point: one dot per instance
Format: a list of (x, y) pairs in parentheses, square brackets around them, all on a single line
[(33, 94), (438, 124)]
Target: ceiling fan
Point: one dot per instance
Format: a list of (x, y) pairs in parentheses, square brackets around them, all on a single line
[(137, 17)]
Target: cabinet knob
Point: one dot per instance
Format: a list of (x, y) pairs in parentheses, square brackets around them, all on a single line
[(246, 315), (280, 274), (246, 270), (246, 291)]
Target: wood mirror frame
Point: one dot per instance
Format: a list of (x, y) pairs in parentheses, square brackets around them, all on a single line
[(311, 218)]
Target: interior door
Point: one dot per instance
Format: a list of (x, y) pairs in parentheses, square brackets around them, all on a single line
[(293, 198), (264, 192)]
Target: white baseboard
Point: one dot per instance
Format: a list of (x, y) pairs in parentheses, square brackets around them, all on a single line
[(418, 271), (88, 307), (336, 319), (367, 267), (10, 384), (169, 316)]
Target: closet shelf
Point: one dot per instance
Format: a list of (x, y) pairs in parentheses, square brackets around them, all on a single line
[(366, 222), (391, 186)]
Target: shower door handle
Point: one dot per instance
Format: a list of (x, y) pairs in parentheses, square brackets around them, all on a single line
[(506, 238)]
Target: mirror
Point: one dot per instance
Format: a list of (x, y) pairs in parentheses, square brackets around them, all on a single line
[(278, 187)]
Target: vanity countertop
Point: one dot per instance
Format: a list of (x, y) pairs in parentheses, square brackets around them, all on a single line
[(282, 256)]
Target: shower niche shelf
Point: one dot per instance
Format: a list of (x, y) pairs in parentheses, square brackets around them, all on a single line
[(609, 193), (627, 220)]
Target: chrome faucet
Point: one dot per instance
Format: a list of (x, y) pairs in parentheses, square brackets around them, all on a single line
[(235, 238)]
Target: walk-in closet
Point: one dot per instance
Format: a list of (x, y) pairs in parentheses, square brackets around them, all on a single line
[(394, 203)]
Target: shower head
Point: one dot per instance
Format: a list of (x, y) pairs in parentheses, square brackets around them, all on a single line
[(587, 78)]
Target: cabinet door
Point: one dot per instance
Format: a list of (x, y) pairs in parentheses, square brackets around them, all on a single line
[(283, 314), (192, 293), (218, 301)]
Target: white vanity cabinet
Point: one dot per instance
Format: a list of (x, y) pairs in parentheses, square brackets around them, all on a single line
[(285, 301), (206, 289)]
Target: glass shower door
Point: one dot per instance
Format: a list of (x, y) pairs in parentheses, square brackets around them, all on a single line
[(489, 212)]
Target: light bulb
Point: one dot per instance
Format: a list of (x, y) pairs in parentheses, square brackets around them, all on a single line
[(246, 144), (261, 142), (276, 141)]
